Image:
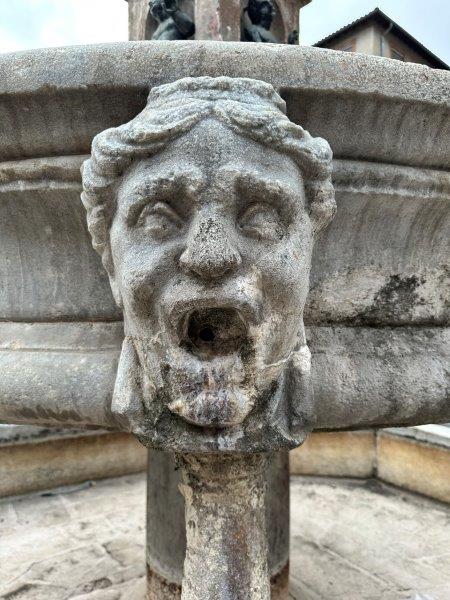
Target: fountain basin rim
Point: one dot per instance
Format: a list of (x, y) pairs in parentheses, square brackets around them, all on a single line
[(310, 67)]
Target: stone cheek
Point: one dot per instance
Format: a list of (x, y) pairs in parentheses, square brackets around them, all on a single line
[(208, 248)]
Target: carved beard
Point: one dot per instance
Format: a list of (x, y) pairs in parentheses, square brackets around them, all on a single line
[(213, 393), (280, 415)]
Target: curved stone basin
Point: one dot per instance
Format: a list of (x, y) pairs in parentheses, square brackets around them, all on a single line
[(376, 315)]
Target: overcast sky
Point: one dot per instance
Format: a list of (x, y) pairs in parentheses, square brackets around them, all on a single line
[(28, 24)]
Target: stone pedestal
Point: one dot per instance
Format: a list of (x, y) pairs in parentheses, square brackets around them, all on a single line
[(218, 20), (166, 534)]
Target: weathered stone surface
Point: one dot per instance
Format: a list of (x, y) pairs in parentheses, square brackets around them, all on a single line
[(346, 540), (415, 465), (205, 209), (226, 550), (58, 373), (366, 377), (89, 88), (81, 542), (166, 539), (336, 454), (366, 542), (66, 460), (218, 20), (383, 260), (48, 271), (361, 376), (405, 284), (408, 283), (393, 291)]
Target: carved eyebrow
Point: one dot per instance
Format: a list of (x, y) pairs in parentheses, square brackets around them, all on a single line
[(159, 188), (281, 193)]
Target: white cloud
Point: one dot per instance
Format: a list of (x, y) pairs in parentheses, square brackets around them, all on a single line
[(63, 23), (8, 43)]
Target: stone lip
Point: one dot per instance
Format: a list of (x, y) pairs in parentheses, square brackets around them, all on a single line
[(331, 94), (27, 71)]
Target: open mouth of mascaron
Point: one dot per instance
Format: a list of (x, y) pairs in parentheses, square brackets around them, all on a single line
[(211, 332)]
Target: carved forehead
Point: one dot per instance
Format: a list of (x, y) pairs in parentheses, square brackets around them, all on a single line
[(210, 152), (257, 134)]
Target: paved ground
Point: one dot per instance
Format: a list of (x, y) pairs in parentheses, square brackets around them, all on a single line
[(365, 541), (350, 541)]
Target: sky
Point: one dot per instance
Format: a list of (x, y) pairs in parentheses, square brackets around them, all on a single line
[(26, 24)]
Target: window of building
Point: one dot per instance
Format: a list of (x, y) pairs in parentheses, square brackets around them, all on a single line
[(396, 55), (348, 46)]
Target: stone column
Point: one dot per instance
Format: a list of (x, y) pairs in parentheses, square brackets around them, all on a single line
[(226, 553), (218, 20), (166, 532), (137, 19)]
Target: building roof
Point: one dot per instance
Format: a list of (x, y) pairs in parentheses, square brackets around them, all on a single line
[(379, 17)]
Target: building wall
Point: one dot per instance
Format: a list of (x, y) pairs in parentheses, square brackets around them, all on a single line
[(371, 39), (359, 40), (366, 40), (391, 41)]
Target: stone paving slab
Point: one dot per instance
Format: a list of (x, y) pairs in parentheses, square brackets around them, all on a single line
[(83, 543), (365, 541), (350, 539)]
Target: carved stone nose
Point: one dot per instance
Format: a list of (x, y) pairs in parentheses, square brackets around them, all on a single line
[(209, 253)]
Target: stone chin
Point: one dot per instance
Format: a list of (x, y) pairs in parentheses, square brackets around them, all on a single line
[(221, 404), (210, 371), (209, 394)]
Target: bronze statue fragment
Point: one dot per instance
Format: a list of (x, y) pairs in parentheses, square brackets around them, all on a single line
[(174, 24), (257, 21)]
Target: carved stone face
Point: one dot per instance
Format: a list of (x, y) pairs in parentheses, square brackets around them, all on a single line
[(208, 252), (211, 246)]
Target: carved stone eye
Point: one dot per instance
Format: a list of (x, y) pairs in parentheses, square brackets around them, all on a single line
[(159, 219), (261, 221)]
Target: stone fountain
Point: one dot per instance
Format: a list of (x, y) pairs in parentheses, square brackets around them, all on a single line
[(210, 207)]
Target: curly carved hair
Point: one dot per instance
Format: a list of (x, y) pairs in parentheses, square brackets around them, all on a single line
[(249, 107)]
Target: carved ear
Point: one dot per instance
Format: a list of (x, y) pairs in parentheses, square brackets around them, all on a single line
[(300, 391), (108, 263), (322, 203), (115, 290), (126, 405)]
